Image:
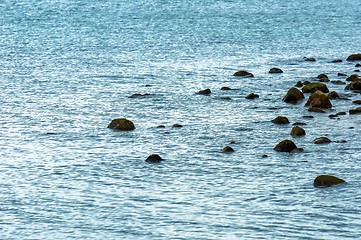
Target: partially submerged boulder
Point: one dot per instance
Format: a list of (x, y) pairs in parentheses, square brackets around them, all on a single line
[(322, 140), (228, 149), (354, 86), (355, 111), (121, 124), (354, 57), (205, 91), (319, 100), (275, 70), (285, 146), (327, 181), (315, 86), (281, 120), (154, 158), (293, 95), (243, 73), (252, 96), (297, 131)]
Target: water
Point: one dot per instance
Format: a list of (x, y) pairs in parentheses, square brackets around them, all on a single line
[(68, 67)]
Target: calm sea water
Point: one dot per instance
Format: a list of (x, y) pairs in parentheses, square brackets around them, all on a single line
[(67, 68)]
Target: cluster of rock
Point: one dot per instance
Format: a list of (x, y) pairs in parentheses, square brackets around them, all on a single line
[(319, 100)]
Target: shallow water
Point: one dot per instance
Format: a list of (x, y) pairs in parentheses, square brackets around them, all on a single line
[(67, 68)]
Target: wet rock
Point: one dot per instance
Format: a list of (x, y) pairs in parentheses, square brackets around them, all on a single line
[(264, 156), (275, 70), (357, 102), (299, 84), (281, 120), (327, 181), (160, 126), (332, 116), (297, 132), (338, 82), (226, 88), (285, 146), (154, 158), (318, 100), (299, 124), (341, 74), (177, 125), (354, 57), (358, 65), (355, 111), (336, 61), (322, 140), (322, 75), (333, 95), (353, 77), (138, 95), (228, 149), (121, 124), (315, 86), (341, 113), (205, 91), (309, 117), (357, 70), (243, 73), (293, 95), (310, 59), (225, 98), (354, 86), (252, 96)]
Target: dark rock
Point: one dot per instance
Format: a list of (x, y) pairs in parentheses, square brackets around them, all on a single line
[(354, 57), (327, 181), (325, 79), (154, 158), (252, 96), (318, 100), (355, 111), (205, 91), (121, 124), (341, 74), (228, 149), (226, 88), (285, 146), (299, 84), (297, 132), (341, 113), (315, 86), (138, 95), (243, 73), (275, 70), (332, 116), (297, 150), (353, 77), (161, 126), (316, 109), (264, 156), (177, 125), (310, 59), (357, 70), (306, 82), (357, 102), (354, 86), (322, 75), (225, 98), (333, 95), (281, 120), (338, 82), (299, 124), (336, 61), (322, 140), (309, 117), (358, 65), (293, 95)]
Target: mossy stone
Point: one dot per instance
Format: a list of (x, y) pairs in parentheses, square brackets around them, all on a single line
[(319, 100), (121, 124), (293, 95), (327, 181), (297, 131), (281, 120), (285, 146), (315, 86)]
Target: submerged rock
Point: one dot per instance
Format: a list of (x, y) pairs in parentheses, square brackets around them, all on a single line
[(121, 124), (319, 100), (281, 120), (297, 132), (354, 57), (327, 181), (315, 86), (293, 95), (139, 95), (353, 77), (285, 146), (354, 86), (322, 140), (355, 111), (252, 96), (205, 91), (228, 149), (177, 125), (154, 158), (316, 109), (226, 88), (275, 70), (310, 59), (243, 73)]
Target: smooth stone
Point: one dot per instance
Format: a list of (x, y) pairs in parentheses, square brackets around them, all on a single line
[(228, 149), (121, 124), (308, 117), (358, 65), (310, 59), (354, 86), (281, 120), (341, 113), (293, 95), (341, 74), (243, 73), (252, 96), (226, 88), (322, 140), (138, 95), (154, 158), (315, 86), (285, 146), (336, 61), (297, 132), (354, 57), (177, 125), (338, 82), (353, 77), (327, 181), (319, 100), (355, 111), (299, 124), (275, 70), (357, 102), (205, 91)]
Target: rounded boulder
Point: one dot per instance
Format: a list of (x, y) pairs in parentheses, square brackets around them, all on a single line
[(121, 124), (285, 146), (319, 100), (327, 181), (293, 95)]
